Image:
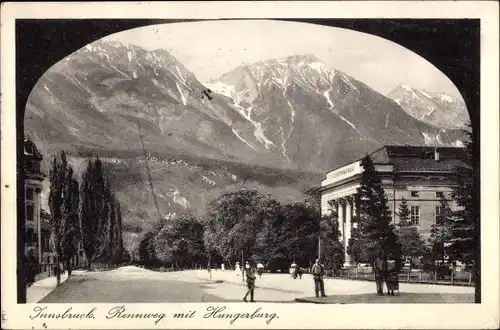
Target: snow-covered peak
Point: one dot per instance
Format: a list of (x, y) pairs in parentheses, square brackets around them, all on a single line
[(438, 109), (446, 98)]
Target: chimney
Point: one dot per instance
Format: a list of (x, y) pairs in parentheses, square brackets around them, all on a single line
[(436, 154)]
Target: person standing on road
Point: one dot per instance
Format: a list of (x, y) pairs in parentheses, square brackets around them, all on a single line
[(250, 284), (293, 270), (300, 271), (237, 268), (392, 280), (319, 285), (222, 266), (260, 269)]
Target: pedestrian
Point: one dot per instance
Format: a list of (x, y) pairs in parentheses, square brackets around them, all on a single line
[(293, 270), (318, 271), (379, 267), (250, 284), (260, 269), (392, 280), (237, 268), (300, 271), (222, 266)]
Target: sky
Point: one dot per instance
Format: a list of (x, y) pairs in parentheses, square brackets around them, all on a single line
[(212, 48)]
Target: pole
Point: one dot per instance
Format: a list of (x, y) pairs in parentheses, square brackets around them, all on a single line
[(242, 267), (319, 247), (210, 265)]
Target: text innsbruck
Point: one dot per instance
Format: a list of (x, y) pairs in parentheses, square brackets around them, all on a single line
[(121, 312)]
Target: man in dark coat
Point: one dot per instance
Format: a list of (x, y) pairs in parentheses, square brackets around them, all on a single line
[(318, 271), (250, 283), (380, 268)]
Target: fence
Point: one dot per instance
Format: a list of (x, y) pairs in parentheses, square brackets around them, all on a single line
[(460, 278), (103, 266)]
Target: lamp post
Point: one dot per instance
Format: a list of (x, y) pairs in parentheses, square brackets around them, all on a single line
[(210, 265), (242, 267)]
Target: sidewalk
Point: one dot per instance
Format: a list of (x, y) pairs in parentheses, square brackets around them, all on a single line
[(38, 290), (403, 298)]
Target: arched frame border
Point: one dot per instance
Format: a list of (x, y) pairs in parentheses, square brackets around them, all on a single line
[(451, 45)]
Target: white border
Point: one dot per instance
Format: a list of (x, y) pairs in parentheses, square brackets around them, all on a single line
[(306, 316)]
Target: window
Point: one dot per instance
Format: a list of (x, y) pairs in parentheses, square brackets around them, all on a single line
[(414, 194), (415, 215), (29, 212), (30, 235), (29, 194), (439, 194), (439, 216)]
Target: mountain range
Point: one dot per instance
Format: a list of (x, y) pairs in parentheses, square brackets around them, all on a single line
[(434, 108), (276, 125)]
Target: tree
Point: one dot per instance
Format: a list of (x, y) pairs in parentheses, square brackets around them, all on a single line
[(234, 221), (412, 244), (100, 230), (120, 254), (71, 231), (440, 250), (332, 250), (298, 235), (465, 229), (375, 233), (57, 178), (147, 255), (63, 204), (180, 242), (146, 250), (103, 233)]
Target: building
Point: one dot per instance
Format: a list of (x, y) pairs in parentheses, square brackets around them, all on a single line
[(36, 234), (420, 175)]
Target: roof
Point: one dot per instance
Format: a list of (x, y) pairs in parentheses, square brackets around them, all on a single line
[(421, 159), (409, 158), (30, 148)]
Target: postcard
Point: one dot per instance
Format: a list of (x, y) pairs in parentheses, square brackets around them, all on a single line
[(271, 164)]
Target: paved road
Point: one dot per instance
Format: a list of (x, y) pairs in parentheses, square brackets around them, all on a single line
[(135, 285)]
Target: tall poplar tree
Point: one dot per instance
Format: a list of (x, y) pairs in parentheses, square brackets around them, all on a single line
[(118, 234), (71, 232), (93, 206), (57, 178), (64, 204)]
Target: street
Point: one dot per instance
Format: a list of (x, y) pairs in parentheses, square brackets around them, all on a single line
[(132, 284), (137, 285)]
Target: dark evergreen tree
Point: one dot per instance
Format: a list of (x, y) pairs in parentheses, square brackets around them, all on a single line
[(465, 241), (412, 243), (374, 234)]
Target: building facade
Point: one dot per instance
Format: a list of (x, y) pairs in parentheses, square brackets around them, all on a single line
[(37, 235), (420, 175)]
